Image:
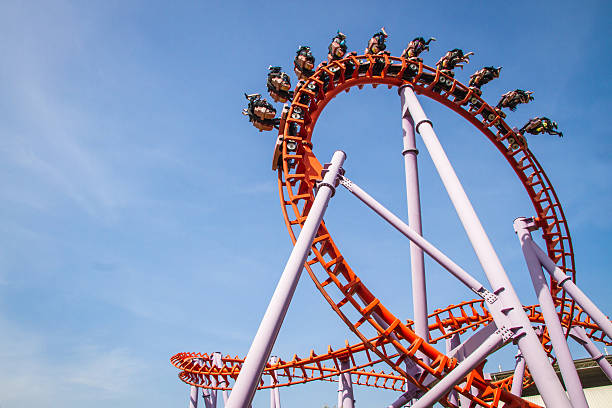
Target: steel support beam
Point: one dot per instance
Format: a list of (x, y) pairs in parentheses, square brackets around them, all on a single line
[(464, 349), (451, 344), (274, 392), (206, 396), (454, 377), (216, 360), (206, 392), (523, 228), (417, 261), (497, 309), (543, 373), (461, 350), (193, 397), (519, 375), (211, 397), (565, 282), (345, 385), (412, 235), (578, 334), (248, 379)]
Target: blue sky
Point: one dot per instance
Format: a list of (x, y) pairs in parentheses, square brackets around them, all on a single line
[(140, 212)]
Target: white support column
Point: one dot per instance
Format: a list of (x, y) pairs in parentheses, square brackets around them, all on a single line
[(417, 262), (248, 379), (274, 392), (574, 291), (523, 226), (193, 397), (345, 385), (544, 375), (461, 350), (436, 392), (519, 375), (452, 343), (206, 392), (217, 362), (212, 395), (206, 396), (578, 334)]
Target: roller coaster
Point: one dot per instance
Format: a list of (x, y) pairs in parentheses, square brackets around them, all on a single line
[(392, 353)]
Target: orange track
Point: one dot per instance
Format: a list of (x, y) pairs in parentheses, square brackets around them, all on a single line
[(394, 343)]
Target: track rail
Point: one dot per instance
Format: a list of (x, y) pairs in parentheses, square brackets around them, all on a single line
[(330, 271), (197, 369), (384, 338)]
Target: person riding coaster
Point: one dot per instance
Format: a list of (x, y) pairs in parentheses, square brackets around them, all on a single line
[(481, 77), (453, 59), (336, 49), (377, 45), (416, 47), (512, 99), (303, 63), (538, 125), (260, 112), (279, 85)]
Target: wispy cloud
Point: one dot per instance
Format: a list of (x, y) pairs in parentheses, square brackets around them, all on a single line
[(31, 377), (50, 142), (52, 151), (109, 371), (261, 187)]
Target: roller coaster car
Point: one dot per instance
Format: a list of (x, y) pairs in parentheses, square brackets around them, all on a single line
[(481, 77), (260, 112), (453, 59), (416, 47), (377, 45), (512, 99), (538, 125), (279, 85), (303, 64)]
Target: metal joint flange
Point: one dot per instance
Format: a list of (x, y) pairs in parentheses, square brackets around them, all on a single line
[(505, 333), (420, 122), (321, 183), (348, 184), (488, 296), (406, 151)]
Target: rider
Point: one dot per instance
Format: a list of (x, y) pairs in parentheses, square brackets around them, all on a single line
[(279, 85), (416, 47), (483, 76), (452, 59), (303, 62), (538, 125), (377, 45), (513, 98), (260, 112), (337, 48)]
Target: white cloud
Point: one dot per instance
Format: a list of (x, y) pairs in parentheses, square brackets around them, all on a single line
[(46, 136), (51, 150), (110, 371), (31, 377)]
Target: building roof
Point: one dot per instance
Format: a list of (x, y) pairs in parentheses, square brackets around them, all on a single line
[(588, 371)]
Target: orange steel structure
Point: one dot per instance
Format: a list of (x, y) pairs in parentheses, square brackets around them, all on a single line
[(387, 340)]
